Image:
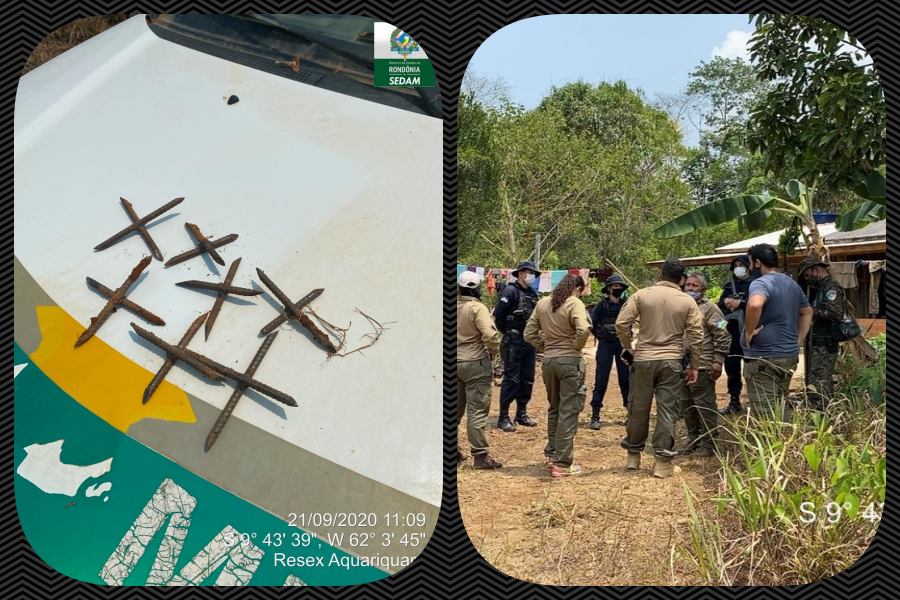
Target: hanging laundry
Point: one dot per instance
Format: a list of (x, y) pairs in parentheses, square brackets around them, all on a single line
[(545, 282), (877, 268), (479, 271), (585, 274), (556, 277), (472, 269), (574, 271), (460, 269), (845, 274)]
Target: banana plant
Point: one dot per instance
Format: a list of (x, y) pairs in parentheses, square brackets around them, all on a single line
[(752, 211)]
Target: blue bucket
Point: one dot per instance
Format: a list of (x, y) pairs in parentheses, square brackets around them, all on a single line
[(823, 217)]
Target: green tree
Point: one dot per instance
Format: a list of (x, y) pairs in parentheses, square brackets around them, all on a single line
[(723, 92), (824, 120), (636, 150), (480, 168)]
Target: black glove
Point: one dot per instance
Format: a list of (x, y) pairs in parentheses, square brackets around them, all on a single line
[(627, 357)]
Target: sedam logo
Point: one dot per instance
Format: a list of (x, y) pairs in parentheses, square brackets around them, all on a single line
[(399, 60), (402, 44)]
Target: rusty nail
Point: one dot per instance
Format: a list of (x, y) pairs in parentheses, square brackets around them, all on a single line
[(126, 303), (198, 361), (195, 252), (170, 362), (238, 392), (205, 244), (114, 300), (139, 225)]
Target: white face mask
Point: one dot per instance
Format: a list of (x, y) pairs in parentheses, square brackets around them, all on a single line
[(740, 272), (529, 279)]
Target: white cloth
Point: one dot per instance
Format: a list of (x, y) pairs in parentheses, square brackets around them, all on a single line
[(545, 285)]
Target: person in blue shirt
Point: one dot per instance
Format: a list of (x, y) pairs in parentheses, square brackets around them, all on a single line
[(778, 319), (519, 357)]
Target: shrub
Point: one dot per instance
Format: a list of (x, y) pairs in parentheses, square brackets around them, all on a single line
[(800, 501)]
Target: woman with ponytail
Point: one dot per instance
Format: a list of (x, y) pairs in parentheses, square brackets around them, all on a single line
[(559, 327)]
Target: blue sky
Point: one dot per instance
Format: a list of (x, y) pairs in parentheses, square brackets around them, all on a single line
[(653, 52)]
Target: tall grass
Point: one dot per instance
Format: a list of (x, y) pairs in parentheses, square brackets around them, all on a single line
[(799, 501)]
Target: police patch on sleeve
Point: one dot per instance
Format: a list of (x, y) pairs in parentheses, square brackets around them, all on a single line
[(504, 299), (721, 323), (832, 295)]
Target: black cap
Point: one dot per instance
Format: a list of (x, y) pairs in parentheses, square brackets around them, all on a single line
[(742, 258), (809, 262), (525, 265), (613, 279)]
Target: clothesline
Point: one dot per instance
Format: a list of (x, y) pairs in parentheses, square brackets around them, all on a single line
[(546, 283)]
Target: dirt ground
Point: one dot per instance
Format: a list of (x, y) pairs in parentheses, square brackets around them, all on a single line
[(608, 526)]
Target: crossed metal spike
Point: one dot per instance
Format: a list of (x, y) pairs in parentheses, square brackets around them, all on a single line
[(117, 298), (294, 312), (204, 246), (238, 393), (170, 360), (223, 290), (202, 363), (139, 225)]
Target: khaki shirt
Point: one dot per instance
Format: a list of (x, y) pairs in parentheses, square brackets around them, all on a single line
[(716, 339), (560, 333), (667, 315), (476, 336)]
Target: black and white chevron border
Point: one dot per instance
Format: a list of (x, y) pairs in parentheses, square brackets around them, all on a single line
[(450, 32)]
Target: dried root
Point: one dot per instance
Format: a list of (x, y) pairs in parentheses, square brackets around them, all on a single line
[(341, 333)]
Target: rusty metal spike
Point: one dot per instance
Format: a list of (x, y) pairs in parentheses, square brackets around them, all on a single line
[(274, 323), (195, 252), (220, 298), (170, 362), (177, 353), (142, 229), (276, 291), (126, 303), (241, 378), (283, 318), (219, 287), (205, 244), (134, 226), (317, 333), (116, 297), (238, 392), (193, 359)]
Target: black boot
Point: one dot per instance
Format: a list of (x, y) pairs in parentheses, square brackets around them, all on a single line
[(484, 461), (504, 424), (734, 407), (522, 418), (595, 420), (460, 456)]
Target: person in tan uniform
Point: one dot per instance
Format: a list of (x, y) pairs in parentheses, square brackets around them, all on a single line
[(477, 344), (559, 328), (666, 315), (699, 400)]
